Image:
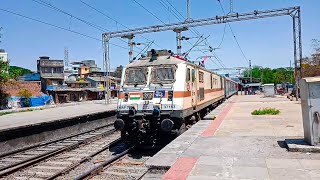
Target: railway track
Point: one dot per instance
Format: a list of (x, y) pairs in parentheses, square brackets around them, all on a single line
[(129, 165), (20, 159), (62, 163)]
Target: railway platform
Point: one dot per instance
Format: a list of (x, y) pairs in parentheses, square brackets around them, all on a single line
[(238, 145), (24, 129), (36, 117)]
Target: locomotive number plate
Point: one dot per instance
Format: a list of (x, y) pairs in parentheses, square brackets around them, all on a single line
[(168, 106)]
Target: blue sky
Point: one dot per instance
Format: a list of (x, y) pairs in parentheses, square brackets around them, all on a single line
[(267, 42)]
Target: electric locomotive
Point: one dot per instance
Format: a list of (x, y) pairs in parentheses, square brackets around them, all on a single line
[(161, 95)]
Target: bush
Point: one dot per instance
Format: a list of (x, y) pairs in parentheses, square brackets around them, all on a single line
[(26, 95), (266, 111)]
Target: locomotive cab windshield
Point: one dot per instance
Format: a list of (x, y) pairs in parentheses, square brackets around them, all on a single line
[(163, 74), (136, 76)]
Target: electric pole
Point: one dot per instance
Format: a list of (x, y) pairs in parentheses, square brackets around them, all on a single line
[(179, 39), (188, 10), (250, 71), (0, 34), (231, 7), (130, 44), (66, 58)]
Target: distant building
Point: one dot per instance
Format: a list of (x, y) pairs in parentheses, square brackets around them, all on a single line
[(83, 70), (30, 77), (51, 72), (78, 84), (90, 65), (75, 67), (3, 56), (247, 82), (100, 82)]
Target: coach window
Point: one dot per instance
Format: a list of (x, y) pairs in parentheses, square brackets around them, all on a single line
[(200, 76), (188, 75), (193, 75)]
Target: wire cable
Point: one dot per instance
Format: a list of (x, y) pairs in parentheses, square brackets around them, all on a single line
[(149, 11), (222, 39), (66, 13), (178, 16), (72, 16), (196, 33), (234, 36), (109, 17), (56, 26)]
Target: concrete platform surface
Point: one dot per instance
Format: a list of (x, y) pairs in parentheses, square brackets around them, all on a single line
[(24, 119), (238, 145)]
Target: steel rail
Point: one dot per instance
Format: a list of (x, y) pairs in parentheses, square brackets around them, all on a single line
[(35, 159), (51, 141), (83, 160), (101, 166)]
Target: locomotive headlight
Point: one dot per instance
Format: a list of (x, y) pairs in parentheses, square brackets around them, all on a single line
[(156, 110), (170, 95)]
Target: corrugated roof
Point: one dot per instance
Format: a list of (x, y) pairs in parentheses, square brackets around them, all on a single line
[(103, 78), (312, 79)]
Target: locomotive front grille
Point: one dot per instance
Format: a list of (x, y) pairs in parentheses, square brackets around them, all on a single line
[(147, 96)]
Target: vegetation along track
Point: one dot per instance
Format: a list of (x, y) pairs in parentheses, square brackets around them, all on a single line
[(15, 161)]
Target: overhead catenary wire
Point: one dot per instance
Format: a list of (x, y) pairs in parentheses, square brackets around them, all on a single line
[(180, 17), (215, 55), (148, 11), (165, 23), (56, 26), (111, 18), (234, 36), (49, 5), (223, 35)]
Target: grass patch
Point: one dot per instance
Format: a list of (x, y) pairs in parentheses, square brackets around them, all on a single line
[(266, 111), (5, 113), (25, 110)]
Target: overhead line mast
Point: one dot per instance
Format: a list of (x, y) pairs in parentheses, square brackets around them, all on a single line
[(206, 21), (180, 17)]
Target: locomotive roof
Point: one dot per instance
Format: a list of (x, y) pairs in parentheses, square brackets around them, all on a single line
[(161, 60)]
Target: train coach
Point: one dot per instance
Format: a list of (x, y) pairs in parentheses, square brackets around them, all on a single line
[(231, 87), (162, 94)]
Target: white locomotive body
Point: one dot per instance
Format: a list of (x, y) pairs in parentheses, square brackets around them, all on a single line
[(161, 94)]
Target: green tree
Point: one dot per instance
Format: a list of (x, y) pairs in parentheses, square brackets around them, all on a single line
[(15, 71), (4, 73), (268, 75), (4, 78)]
